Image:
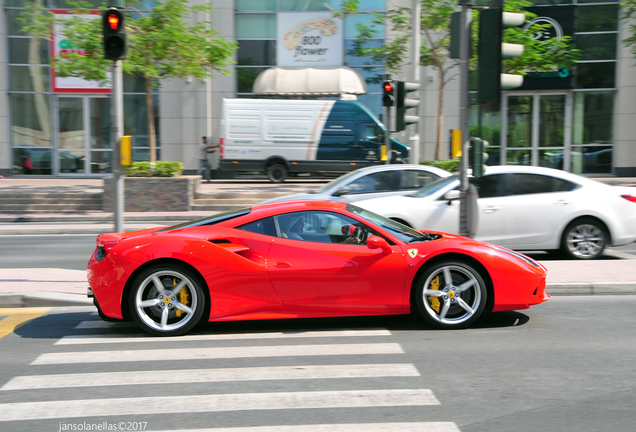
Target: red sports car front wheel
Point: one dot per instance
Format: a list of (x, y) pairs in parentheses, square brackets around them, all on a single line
[(450, 294), (166, 300)]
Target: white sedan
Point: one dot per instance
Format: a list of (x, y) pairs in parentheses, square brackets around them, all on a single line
[(525, 208), (372, 182)]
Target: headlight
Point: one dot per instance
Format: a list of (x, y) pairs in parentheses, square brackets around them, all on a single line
[(518, 255)]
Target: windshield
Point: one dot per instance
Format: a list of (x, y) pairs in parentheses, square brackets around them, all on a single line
[(210, 220), (335, 182), (431, 188), (404, 233)]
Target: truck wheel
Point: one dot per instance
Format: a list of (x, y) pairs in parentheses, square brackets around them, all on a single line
[(277, 173)]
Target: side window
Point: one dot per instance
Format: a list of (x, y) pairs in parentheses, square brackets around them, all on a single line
[(376, 182), (262, 226), (490, 186), (561, 185), (322, 227), (415, 179), (524, 184), (369, 133)]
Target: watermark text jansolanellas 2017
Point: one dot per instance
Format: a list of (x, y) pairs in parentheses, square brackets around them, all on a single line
[(103, 426)]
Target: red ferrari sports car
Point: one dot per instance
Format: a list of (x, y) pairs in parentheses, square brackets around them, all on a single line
[(302, 259)]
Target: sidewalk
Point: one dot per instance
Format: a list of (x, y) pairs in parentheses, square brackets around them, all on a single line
[(58, 287)]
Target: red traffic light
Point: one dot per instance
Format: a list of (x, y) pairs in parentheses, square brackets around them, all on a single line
[(388, 87), (113, 21)]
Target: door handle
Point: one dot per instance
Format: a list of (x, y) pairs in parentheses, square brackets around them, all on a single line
[(283, 264), (561, 203), (491, 209)]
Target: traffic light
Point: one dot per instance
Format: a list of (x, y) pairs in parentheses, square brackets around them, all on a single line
[(388, 100), (477, 156), (403, 104), (114, 32), (490, 80)]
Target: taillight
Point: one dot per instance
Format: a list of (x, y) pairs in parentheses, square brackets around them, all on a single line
[(631, 198), (220, 148), (102, 250)]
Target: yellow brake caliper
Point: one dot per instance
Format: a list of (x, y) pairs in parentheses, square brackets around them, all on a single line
[(434, 301), (184, 297)]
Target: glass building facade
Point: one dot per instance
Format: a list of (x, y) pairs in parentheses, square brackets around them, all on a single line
[(58, 132), (256, 36), (566, 120)]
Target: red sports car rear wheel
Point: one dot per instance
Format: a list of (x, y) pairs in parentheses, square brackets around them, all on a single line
[(166, 300), (450, 294)]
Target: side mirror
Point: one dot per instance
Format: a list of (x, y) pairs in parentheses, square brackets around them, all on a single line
[(377, 242), (340, 192), (451, 195), (348, 230)]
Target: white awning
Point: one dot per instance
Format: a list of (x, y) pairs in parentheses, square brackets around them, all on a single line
[(325, 81)]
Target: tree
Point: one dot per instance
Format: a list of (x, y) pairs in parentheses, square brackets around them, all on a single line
[(161, 44), (435, 49), (629, 12)]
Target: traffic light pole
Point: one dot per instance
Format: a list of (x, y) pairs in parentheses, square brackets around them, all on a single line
[(464, 111), (387, 136), (117, 128), (416, 40)]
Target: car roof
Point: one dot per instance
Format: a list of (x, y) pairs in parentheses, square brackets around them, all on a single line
[(392, 167), (280, 207), (504, 169)]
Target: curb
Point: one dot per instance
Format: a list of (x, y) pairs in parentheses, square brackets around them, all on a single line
[(69, 229), (591, 288), (43, 298), (51, 299)]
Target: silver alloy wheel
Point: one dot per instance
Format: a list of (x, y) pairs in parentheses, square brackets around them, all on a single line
[(165, 308), (458, 292), (585, 241)]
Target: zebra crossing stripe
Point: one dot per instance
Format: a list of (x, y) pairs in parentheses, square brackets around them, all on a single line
[(210, 375), (114, 338), (351, 427), (216, 353), (215, 403)]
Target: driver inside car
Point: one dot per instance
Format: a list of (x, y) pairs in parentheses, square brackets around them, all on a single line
[(294, 228)]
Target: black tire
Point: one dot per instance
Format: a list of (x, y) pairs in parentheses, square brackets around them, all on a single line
[(584, 239), (460, 301), (277, 173), (167, 313)]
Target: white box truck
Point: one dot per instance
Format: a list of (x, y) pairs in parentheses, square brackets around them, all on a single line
[(283, 136)]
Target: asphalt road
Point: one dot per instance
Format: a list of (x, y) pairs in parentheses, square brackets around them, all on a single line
[(566, 365), (73, 251)]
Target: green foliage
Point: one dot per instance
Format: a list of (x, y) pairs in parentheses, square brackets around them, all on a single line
[(629, 12), (162, 44), (448, 165), (162, 169), (492, 134), (538, 56)]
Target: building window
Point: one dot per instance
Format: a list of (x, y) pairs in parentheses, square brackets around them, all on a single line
[(597, 37), (65, 132), (256, 37)]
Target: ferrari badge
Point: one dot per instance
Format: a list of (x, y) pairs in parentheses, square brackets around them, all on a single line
[(412, 253)]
